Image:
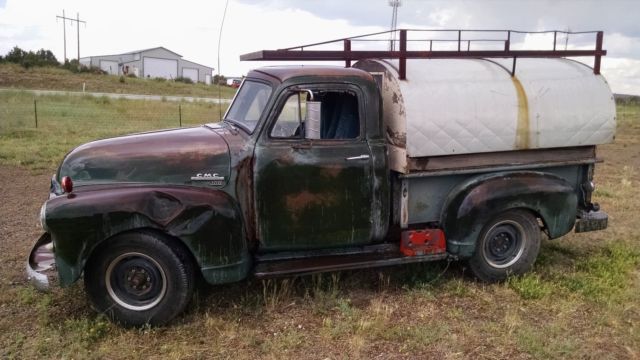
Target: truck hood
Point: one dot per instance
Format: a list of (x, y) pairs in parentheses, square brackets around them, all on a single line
[(191, 156)]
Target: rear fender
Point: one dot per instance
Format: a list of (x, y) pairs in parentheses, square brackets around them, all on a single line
[(475, 201), (207, 221)]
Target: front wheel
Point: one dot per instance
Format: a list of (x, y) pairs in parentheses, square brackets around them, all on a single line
[(139, 278), (507, 245)]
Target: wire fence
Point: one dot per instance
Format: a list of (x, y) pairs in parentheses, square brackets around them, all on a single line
[(21, 111), (106, 116)]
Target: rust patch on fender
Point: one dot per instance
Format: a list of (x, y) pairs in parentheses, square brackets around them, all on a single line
[(523, 126)]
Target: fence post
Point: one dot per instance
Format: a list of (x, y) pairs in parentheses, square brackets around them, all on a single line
[(35, 111), (180, 113)]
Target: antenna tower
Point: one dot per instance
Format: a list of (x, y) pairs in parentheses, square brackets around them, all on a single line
[(395, 4)]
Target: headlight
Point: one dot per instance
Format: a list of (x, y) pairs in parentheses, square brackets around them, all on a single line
[(43, 216)]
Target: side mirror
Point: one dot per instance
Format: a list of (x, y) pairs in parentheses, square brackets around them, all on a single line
[(313, 120)]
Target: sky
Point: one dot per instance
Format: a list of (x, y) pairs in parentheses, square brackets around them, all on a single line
[(191, 27)]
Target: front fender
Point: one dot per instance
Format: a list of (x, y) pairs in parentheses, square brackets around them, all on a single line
[(475, 201), (207, 221)]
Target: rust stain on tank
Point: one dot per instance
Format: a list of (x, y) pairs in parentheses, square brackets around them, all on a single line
[(523, 125)]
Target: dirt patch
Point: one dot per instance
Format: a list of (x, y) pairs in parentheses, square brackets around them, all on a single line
[(23, 194)]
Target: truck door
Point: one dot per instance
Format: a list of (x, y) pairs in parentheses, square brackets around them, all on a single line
[(314, 193)]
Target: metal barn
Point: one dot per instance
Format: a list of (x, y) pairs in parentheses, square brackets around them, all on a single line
[(158, 62)]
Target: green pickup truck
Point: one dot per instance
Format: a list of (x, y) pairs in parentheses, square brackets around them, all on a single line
[(317, 169)]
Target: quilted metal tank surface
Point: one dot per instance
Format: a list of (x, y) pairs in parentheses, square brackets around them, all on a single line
[(465, 106)]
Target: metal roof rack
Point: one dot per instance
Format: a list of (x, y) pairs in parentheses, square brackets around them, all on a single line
[(463, 42)]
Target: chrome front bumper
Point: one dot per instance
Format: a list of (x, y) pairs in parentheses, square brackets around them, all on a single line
[(41, 266)]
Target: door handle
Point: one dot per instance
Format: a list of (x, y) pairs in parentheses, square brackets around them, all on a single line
[(359, 157)]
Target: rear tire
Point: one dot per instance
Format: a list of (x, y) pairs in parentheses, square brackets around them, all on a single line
[(139, 278), (508, 245)]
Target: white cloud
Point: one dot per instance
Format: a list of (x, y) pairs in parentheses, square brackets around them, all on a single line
[(622, 74), (190, 27)]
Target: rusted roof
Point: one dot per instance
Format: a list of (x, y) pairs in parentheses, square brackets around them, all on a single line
[(284, 73)]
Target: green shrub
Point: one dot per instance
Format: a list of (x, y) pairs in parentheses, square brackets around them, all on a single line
[(185, 80), (74, 66)]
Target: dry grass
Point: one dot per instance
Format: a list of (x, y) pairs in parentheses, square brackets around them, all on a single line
[(581, 301), (49, 78)]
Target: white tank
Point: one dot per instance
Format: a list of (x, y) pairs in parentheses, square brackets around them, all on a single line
[(466, 106)]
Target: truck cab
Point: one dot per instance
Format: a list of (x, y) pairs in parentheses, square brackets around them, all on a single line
[(312, 169), (315, 190)]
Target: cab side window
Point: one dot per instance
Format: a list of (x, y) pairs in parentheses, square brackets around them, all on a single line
[(339, 116), (290, 122)]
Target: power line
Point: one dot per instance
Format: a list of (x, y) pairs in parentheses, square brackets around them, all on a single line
[(64, 32)]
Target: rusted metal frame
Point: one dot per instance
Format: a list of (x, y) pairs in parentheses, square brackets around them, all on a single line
[(438, 30), (402, 70), (499, 168), (506, 30), (507, 43), (339, 55), (596, 64), (425, 40), (347, 50), (502, 158)]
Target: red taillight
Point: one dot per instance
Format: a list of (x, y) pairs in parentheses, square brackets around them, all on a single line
[(423, 242), (67, 184)]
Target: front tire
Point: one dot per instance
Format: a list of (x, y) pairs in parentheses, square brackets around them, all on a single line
[(140, 278), (508, 245)]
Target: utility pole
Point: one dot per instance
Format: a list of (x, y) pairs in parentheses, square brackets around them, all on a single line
[(78, 27), (395, 4), (64, 33), (77, 21)]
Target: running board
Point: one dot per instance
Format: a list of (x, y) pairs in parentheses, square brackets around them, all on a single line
[(307, 266)]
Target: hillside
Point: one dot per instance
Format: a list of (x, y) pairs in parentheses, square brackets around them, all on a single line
[(51, 78)]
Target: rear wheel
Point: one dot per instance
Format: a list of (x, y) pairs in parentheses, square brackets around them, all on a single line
[(507, 245), (140, 278)]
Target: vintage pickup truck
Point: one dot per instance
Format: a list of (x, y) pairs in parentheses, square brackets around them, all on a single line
[(327, 168)]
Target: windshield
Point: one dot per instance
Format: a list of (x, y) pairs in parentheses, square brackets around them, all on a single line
[(248, 105)]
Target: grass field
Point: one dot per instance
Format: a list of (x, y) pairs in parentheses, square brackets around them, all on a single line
[(582, 300), (67, 121), (49, 78)]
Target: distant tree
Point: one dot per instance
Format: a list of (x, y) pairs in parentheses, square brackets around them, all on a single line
[(219, 79), (15, 55), (41, 57)]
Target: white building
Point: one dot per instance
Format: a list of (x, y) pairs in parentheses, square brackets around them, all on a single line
[(151, 63)]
